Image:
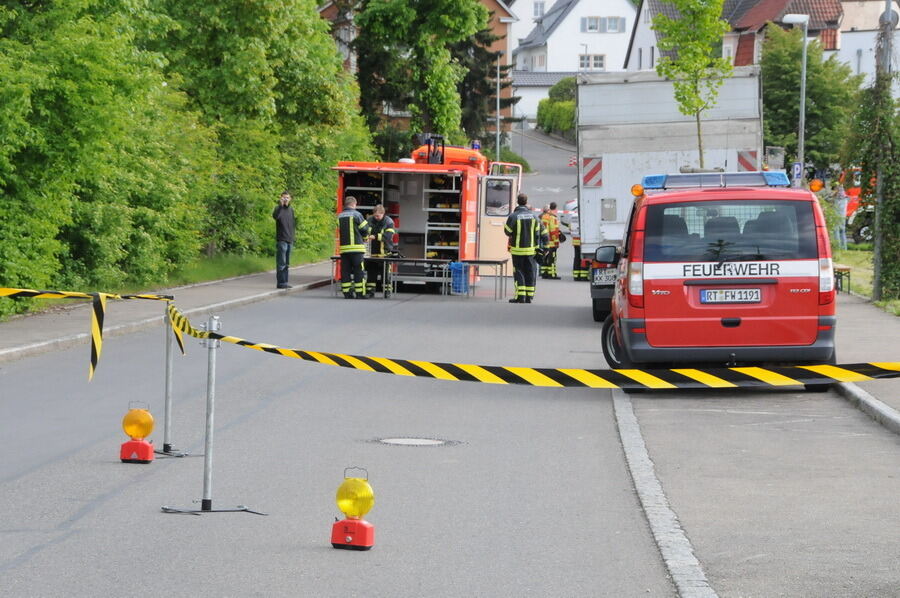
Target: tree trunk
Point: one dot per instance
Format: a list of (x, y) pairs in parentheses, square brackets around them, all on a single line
[(699, 139)]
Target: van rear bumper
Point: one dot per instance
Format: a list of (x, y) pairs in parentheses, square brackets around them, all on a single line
[(640, 351)]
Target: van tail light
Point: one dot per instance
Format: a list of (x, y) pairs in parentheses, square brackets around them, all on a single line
[(826, 268), (636, 284), (826, 281)]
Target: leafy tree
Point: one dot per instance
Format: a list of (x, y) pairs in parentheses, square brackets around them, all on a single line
[(405, 60), (98, 155), (268, 79), (687, 47), (830, 95), (874, 145), (478, 88)]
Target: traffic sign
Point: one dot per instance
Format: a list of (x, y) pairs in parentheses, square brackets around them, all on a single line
[(796, 171)]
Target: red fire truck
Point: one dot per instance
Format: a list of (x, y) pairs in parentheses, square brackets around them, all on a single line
[(449, 204)]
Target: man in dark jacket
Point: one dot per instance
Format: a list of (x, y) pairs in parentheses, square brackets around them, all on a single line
[(353, 230), (284, 239), (381, 244), (525, 237)]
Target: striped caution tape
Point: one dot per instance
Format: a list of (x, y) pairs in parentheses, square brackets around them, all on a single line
[(688, 378), (98, 312)]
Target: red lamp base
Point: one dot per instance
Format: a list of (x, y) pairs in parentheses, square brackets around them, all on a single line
[(353, 534), (136, 451)]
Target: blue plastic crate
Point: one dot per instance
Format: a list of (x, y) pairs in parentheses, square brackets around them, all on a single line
[(459, 278)]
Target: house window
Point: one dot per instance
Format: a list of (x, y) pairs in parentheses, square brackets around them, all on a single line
[(591, 62), (652, 56), (727, 52), (538, 9), (590, 24), (647, 18), (540, 60), (602, 24), (640, 58)]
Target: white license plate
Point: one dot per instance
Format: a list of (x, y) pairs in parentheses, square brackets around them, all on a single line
[(605, 275), (729, 296)]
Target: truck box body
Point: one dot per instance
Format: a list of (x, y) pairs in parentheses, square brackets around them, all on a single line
[(446, 204), (628, 125)]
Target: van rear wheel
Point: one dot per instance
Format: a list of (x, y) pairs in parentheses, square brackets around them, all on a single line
[(822, 387), (613, 351)]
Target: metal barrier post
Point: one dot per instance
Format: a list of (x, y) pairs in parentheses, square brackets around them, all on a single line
[(167, 449), (212, 344)]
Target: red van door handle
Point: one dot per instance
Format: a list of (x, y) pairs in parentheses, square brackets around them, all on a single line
[(731, 322)]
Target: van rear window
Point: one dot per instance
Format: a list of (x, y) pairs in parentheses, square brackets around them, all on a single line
[(730, 230)]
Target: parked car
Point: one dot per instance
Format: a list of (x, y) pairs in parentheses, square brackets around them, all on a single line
[(569, 213)]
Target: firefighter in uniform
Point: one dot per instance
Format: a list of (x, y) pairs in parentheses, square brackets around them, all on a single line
[(551, 222), (525, 237), (579, 269), (353, 230), (381, 244)]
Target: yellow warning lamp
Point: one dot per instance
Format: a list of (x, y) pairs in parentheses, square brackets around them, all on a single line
[(637, 190), (354, 498), (816, 185), (138, 425)]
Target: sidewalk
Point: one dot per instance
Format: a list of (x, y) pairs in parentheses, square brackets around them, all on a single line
[(69, 325), (864, 334)]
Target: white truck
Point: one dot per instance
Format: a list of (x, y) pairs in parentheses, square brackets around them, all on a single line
[(628, 125)]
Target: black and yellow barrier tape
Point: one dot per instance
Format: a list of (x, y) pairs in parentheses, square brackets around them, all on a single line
[(98, 311), (687, 378)]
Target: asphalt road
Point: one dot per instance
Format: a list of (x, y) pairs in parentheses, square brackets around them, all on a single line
[(530, 497), (778, 493)]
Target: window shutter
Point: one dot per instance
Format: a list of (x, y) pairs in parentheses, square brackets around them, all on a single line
[(622, 24), (583, 24), (602, 24)]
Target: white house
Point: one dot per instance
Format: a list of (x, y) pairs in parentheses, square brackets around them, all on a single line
[(572, 36), (748, 19), (859, 33), (528, 12)]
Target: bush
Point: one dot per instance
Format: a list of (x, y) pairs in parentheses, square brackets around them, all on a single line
[(557, 117)]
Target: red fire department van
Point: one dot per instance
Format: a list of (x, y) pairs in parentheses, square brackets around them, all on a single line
[(449, 204), (724, 269)]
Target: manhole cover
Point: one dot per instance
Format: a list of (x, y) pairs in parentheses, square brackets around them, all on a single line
[(415, 441)]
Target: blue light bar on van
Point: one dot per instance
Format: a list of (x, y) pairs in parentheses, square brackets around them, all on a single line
[(654, 181), (767, 178), (777, 178)]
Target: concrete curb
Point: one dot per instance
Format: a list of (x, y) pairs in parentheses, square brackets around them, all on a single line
[(880, 412), (68, 341), (674, 546)]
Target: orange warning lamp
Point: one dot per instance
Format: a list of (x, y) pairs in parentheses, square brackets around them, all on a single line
[(354, 498), (137, 424), (816, 185), (637, 190)]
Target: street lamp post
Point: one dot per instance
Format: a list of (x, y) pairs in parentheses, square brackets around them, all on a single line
[(497, 147), (799, 19)]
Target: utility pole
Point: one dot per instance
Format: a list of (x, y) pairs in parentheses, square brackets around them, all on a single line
[(888, 22)]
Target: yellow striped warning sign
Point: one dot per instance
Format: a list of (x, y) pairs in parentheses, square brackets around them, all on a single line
[(736, 377), (98, 312)]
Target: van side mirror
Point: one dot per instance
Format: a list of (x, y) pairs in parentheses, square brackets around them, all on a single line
[(607, 254)]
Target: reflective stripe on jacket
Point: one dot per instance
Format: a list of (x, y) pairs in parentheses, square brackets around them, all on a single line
[(524, 231), (550, 220), (383, 231), (353, 230)]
